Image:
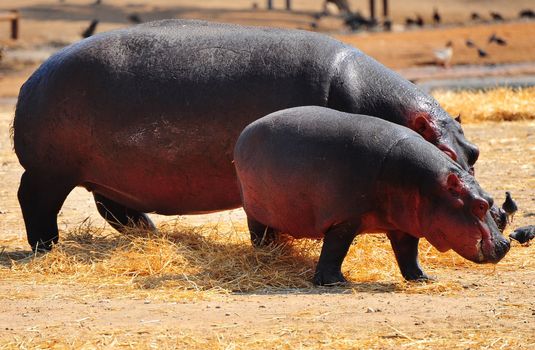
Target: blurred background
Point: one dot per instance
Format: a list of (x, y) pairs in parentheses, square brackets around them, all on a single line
[(437, 44)]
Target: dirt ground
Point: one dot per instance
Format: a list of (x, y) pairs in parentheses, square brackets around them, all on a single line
[(47, 25), (486, 307), (480, 307)]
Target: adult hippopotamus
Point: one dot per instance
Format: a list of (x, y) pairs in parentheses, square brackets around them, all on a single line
[(319, 173), (147, 117)]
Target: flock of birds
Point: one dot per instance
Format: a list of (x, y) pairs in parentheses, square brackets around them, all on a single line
[(444, 55), (355, 20), (509, 207), (474, 16)]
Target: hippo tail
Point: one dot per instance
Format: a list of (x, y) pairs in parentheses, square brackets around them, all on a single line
[(25, 111)]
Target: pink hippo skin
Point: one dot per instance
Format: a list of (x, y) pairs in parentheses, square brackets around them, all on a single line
[(318, 173)]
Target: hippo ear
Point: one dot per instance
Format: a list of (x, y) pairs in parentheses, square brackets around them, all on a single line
[(423, 126), (458, 118)]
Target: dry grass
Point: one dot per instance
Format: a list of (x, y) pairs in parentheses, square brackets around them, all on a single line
[(499, 104), (195, 262), (284, 339)]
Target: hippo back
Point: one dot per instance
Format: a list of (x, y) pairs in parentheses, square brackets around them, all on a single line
[(331, 159), (170, 96)]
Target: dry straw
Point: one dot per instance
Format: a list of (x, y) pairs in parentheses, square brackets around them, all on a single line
[(181, 261), (499, 104), (289, 338)]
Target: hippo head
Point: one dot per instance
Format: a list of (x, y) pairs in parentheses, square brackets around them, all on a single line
[(456, 216), (447, 134)]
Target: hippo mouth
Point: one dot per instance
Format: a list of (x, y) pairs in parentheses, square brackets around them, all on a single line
[(489, 250)]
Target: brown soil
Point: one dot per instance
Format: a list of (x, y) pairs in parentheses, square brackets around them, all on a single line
[(492, 308), (53, 23)]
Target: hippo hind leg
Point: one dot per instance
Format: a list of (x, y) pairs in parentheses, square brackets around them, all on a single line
[(41, 197), (405, 248), (120, 217), (261, 235)]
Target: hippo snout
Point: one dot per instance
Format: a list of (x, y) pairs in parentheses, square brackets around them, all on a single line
[(501, 248), (497, 252)]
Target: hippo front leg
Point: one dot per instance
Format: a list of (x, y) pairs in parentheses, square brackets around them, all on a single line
[(335, 247), (405, 248)]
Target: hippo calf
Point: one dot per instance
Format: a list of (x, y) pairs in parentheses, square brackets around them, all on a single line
[(318, 173), (147, 117)]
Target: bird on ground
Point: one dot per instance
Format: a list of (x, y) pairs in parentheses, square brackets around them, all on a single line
[(134, 18), (470, 43), (436, 16), (523, 234), (355, 21), (419, 21), (475, 16), (526, 14), (482, 53), (91, 29), (509, 206), (496, 39), (496, 16), (443, 55)]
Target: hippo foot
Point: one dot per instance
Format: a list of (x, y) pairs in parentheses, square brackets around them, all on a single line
[(261, 235), (329, 278), (41, 247), (416, 276)]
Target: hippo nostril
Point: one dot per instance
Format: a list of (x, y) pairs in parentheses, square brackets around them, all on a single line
[(502, 247)]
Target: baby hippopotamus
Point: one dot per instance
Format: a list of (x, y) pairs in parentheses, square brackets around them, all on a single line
[(314, 172)]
